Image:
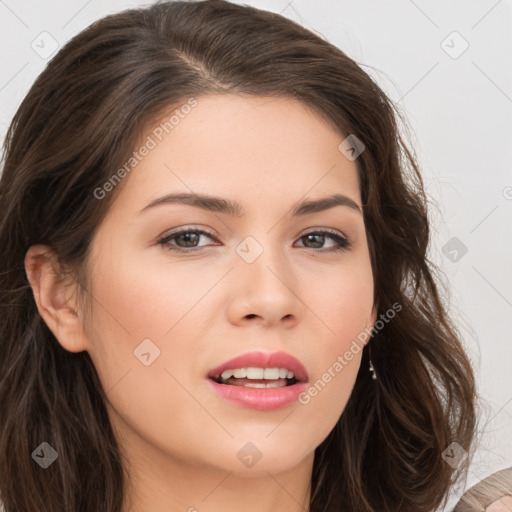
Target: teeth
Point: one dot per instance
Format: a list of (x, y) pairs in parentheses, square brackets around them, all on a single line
[(276, 385), (255, 385), (258, 373), (254, 373), (263, 385), (226, 374), (271, 373)]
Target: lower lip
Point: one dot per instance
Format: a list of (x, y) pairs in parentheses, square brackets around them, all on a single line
[(262, 399)]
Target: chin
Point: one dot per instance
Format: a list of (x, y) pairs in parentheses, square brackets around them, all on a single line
[(258, 456)]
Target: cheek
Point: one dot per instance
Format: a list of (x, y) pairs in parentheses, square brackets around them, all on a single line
[(329, 388), (341, 298), (135, 307), (131, 304), (139, 300), (343, 308)]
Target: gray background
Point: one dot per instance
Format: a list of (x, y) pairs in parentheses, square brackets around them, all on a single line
[(458, 102)]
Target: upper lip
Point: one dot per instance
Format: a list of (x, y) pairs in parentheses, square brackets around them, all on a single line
[(263, 360)]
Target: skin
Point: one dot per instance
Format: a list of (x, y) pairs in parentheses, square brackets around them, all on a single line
[(504, 504), (179, 439)]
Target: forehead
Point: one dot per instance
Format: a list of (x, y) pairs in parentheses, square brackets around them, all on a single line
[(249, 148)]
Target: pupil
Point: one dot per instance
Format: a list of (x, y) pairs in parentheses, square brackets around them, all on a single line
[(188, 235), (319, 244)]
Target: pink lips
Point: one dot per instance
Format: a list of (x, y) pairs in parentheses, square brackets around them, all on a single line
[(262, 360), (261, 398)]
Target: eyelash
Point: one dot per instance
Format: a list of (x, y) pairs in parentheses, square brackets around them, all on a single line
[(343, 243)]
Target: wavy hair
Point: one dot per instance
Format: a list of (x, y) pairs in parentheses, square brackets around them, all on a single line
[(80, 120)]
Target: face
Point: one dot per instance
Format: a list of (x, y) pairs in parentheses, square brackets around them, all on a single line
[(180, 289)]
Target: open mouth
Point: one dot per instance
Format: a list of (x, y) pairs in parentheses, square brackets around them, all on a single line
[(259, 380), (256, 383), (253, 377)]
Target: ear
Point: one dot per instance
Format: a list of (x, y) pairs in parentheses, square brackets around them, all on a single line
[(372, 320), (374, 315), (51, 296)]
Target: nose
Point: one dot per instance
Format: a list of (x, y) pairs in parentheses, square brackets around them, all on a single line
[(264, 291)]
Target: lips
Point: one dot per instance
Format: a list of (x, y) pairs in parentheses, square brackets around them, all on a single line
[(262, 360), (241, 395)]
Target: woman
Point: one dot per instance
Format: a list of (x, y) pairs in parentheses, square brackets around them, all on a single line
[(215, 290)]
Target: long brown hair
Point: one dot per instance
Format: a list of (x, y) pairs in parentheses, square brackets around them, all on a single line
[(80, 121)]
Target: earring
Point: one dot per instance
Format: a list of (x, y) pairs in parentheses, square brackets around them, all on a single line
[(372, 369)]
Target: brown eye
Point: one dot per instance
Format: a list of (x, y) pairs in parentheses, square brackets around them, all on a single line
[(187, 240), (183, 240), (316, 239)]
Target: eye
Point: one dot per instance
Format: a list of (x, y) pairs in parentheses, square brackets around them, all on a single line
[(186, 236), (186, 240), (318, 237)]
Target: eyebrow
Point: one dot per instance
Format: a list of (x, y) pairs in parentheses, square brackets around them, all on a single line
[(235, 209)]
